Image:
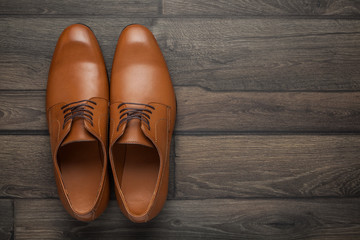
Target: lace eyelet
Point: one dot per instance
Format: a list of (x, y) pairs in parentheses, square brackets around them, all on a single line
[(129, 113), (78, 109)]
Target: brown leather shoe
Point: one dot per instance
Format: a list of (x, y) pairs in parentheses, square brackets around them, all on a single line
[(77, 113), (142, 117)]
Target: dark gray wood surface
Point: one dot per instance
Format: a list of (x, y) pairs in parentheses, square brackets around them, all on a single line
[(195, 219), (6, 219), (267, 166), (235, 166), (261, 8), (267, 139), (216, 54), (222, 111), (84, 7)]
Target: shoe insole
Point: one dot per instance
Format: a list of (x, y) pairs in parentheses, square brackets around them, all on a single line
[(81, 168), (139, 175)]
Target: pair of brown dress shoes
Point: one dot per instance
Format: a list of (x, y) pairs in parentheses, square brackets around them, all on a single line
[(142, 115)]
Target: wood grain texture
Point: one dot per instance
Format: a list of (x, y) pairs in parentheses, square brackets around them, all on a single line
[(264, 112), (207, 219), (261, 8), (216, 54), (267, 134), (222, 111), (213, 166), (262, 54), (6, 219), (183, 8), (26, 109), (267, 166), (27, 168), (81, 7)]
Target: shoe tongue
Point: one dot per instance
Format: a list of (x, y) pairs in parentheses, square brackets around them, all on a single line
[(78, 133), (134, 135)]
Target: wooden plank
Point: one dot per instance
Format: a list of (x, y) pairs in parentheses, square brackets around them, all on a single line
[(27, 170), (270, 111), (267, 166), (183, 8), (81, 7), (222, 111), (216, 54), (261, 8), (213, 166), (23, 110), (206, 219), (262, 54), (6, 219)]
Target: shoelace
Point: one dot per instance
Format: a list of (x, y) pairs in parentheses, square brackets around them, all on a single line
[(135, 113), (79, 109)]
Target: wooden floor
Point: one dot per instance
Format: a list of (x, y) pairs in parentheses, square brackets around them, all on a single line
[(267, 139)]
